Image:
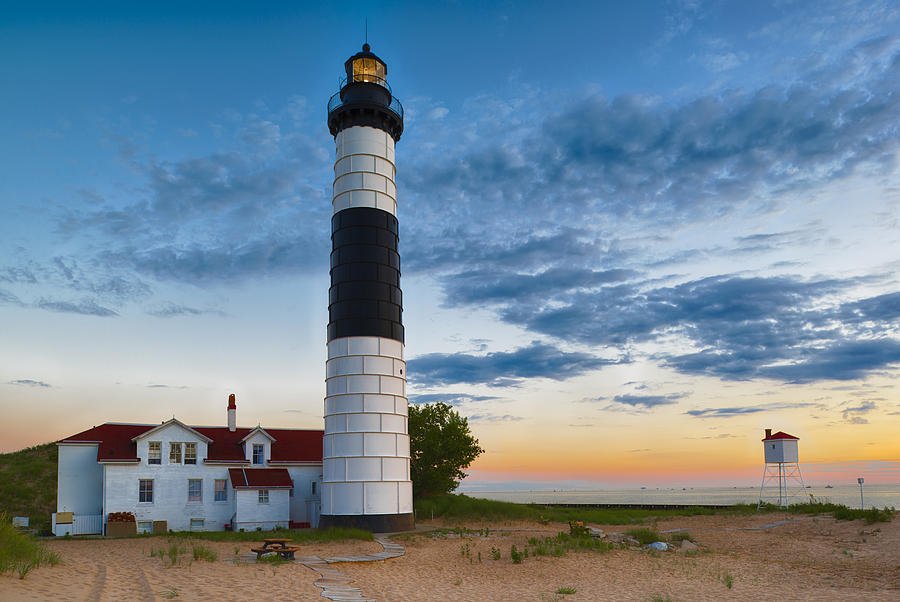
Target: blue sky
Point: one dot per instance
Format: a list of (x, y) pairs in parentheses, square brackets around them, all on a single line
[(616, 222)]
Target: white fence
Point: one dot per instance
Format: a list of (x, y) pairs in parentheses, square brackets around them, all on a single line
[(83, 524)]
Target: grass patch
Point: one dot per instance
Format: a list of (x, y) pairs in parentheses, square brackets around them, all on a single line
[(171, 554), (838, 511), (20, 553), (273, 560), (28, 484), (566, 590), (459, 507), (564, 542), (679, 536), (644, 535), (295, 535), (202, 552), (728, 580)]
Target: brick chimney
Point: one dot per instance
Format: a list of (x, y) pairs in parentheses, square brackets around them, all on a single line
[(232, 411), (768, 431)]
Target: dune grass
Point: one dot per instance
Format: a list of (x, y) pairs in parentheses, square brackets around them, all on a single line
[(19, 552), (838, 511), (459, 507), (28, 484), (644, 535)]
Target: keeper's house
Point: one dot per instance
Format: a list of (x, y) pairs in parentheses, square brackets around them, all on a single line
[(192, 477)]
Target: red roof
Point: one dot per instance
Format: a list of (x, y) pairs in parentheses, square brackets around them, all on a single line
[(259, 478), (780, 435), (290, 445)]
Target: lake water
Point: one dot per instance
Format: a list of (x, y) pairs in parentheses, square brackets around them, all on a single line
[(874, 495)]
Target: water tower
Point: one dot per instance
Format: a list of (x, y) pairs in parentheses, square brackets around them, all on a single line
[(781, 480)]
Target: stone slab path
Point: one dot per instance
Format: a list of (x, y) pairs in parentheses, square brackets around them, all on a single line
[(334, 584)]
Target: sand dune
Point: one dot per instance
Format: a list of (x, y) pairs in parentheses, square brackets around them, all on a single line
[(803, 558)]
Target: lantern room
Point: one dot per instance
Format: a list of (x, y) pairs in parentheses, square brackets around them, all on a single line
[(780, 448), (365, 98), (366, 67)]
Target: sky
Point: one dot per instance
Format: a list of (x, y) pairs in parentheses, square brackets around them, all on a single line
[(633, 235)]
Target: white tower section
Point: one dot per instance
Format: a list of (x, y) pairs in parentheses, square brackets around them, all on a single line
[(364, 170)]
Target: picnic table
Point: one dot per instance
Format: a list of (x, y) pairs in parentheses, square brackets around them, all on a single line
[(276, 545)]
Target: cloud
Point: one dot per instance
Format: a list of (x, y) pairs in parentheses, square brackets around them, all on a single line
[(257, 206), (524, 222), (730, 412), (842, 360), (640, 157), (502, 368), (27, 382), (14, 274), (498, 285), (854, 414), (9, 298), (453, 399), (494, 418), (648, 401), (776, 327), (87, 307), (171, 310)]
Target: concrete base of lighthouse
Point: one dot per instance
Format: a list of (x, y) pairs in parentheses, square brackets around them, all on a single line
[(376, 523)]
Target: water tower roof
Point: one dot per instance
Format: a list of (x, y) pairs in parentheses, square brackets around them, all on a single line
[(780, 435)]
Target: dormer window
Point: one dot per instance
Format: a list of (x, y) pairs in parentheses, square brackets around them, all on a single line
[(259, 453), (190, 453), (174, 453), (154, 452)]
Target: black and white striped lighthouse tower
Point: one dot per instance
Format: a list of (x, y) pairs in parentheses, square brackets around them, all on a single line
[(366, 480)]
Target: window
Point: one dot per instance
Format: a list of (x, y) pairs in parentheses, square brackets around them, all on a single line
[(174, 453), (314, 488), (197, 524), (195, 490), (221, 490), (263, 496), (190, 453), (145, 526), (154, 452), (259, 451), (145, 491)]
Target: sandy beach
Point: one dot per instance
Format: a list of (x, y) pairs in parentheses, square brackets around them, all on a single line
[(793, 557)]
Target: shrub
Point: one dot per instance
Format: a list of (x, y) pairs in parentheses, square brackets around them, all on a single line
[(516, 556), (577, 529), (644, 535), (20, 553), (495, 553), (566, 590)]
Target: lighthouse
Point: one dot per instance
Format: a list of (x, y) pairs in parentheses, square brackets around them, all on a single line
[(366, 479)]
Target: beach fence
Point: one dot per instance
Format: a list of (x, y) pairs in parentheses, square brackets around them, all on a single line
[(69, 523)]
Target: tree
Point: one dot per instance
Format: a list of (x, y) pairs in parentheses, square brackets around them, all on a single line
[(441, 446)]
